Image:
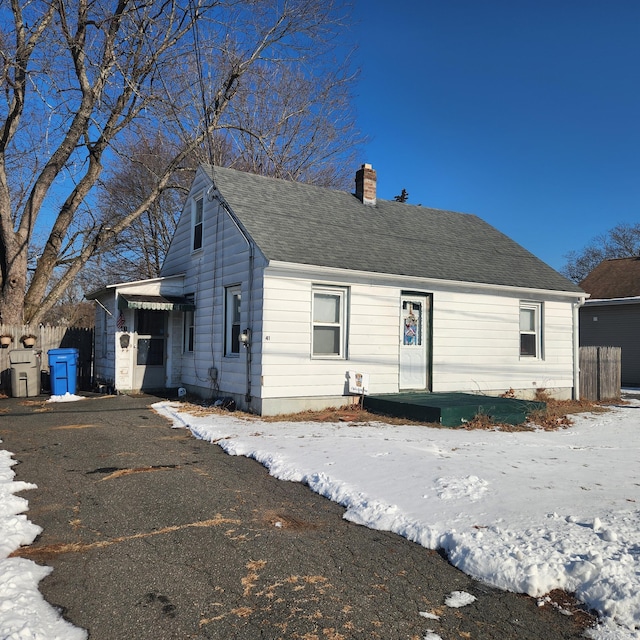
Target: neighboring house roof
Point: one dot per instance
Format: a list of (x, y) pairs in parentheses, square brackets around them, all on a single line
[(614, 278), (301, 223)]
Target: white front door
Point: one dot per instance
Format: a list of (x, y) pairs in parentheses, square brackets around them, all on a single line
[(414, 341)]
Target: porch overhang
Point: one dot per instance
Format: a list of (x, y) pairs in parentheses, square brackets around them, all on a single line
[(154, 302)]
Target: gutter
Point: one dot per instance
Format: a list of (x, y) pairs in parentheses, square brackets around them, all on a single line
[(417, 283), (576, 346)]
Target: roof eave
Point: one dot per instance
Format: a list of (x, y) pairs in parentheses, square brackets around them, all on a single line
[(347, 275)]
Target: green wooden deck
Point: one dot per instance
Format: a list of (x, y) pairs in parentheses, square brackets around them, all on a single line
[(451, 409)]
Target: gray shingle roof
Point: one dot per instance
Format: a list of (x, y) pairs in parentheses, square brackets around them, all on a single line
[(301, 223)]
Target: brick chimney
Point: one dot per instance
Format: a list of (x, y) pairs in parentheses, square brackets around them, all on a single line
[(366, 184)]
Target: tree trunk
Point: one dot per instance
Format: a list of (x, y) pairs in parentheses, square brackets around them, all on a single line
[(14, 283)]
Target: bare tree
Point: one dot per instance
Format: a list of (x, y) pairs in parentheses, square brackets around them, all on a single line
[(622, 241), (288, 124), (139, 250), (122, 66)]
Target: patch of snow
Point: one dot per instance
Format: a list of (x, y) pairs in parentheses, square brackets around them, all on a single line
[(67, 397), (430, 616), (24, 613), (457, 599)]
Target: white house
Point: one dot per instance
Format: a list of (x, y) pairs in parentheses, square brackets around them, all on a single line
[(272, 291)]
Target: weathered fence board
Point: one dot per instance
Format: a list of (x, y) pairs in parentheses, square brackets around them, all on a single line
[(48, 337), (600, 372)]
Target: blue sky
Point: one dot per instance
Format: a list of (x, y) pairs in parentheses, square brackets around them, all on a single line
[(523, 112)]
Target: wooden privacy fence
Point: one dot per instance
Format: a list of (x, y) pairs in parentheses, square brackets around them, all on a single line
[(600, 372), (48, 338)]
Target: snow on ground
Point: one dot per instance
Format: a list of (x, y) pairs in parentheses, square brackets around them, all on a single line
[(67, 397), (523, 511), (24, 614)]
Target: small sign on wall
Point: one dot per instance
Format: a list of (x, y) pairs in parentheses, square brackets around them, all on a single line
[(358, 382)]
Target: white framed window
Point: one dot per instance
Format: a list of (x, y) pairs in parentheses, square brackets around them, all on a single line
[(188, 327), (233, 300), (329, 323), (197, 216), (531, 330)]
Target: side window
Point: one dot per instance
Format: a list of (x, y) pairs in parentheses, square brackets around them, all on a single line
[(329, 331), (530, 330), (232, 321), (197, 214), (189, 331)]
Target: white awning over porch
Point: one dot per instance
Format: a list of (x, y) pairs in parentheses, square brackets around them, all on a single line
[(155, 302)]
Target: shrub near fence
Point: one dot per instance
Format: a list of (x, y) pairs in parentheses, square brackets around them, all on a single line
[(48, 337), (600, 373)]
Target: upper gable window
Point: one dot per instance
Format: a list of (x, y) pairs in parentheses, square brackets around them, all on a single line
[(197, 215)]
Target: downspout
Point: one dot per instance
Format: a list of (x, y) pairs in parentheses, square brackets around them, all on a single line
[(250, 245), (576, 348)]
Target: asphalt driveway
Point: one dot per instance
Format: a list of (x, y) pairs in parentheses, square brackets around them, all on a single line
[(153, 534)]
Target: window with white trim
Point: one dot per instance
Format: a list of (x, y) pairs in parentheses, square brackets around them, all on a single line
[(329, 323), (530, 330), (233, 299), (188, 324), (197, 216)]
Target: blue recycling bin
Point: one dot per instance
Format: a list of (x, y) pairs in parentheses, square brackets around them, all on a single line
[(63, 367)]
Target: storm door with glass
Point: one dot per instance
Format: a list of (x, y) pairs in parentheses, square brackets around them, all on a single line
[(149, 367), (414, 341)]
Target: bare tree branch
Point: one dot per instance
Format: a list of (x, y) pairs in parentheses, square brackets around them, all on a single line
[(622, 241), (124, 66)]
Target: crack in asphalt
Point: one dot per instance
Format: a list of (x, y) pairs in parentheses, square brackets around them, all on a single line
[(80, 547)]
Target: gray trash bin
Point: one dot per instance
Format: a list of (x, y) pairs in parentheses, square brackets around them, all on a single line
[(25, 372)]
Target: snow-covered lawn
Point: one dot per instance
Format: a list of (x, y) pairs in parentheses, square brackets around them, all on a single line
[(523, 511)]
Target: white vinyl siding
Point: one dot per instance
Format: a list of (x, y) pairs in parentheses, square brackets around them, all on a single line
[(103, 333), (289, 369), (180, 257), (208, 273), (476, 345), (104, 363)]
